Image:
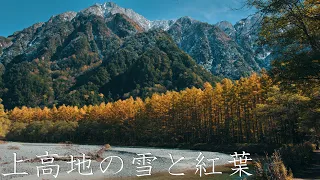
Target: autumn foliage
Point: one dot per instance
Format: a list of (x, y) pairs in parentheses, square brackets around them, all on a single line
[(230, 112)]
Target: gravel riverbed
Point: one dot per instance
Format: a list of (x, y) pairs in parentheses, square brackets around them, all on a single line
[(29, 152)]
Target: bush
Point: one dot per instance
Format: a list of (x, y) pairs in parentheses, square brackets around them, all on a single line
[(272, 168), (63, 131), (43, 131), (16, 132), (4, 126), (292, 157), (38, 131)]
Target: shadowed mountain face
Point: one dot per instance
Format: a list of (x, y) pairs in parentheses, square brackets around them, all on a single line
[(106, 52)]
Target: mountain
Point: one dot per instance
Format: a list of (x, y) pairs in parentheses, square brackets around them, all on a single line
[(212, 48), (4, 43), (107, 52), (85, 58), (224, 49), (247, 36)]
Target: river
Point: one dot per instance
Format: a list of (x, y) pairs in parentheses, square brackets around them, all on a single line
[(29, 151)]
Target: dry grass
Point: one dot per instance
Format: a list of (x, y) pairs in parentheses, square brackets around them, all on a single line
[(13, 148), (272, 168)]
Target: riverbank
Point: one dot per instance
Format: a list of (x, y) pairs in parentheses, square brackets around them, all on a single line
[(29, 151)]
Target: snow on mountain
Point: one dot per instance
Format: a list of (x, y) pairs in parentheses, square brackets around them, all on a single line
[(162, 24), (109, 8), (228, 28), (67, 16)]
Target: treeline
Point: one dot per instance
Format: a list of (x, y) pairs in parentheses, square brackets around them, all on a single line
[(250, 110)]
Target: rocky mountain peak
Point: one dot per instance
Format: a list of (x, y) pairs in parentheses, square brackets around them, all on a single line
[(249, 25), (186, 19), (109, 8), (228, 28), (110, 4)]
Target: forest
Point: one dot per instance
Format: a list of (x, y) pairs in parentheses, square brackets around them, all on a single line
[(249, 110)]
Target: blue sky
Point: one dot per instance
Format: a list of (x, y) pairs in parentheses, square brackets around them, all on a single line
[(18, 14)]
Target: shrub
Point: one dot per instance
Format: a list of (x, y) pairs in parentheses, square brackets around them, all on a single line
[(38, 131), (272, 168), (63, 131), (4, 126), (43, 131), (16, 132), (291, 157)]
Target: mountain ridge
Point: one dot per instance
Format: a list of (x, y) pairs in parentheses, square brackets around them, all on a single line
[(105, 53), (238, 56)]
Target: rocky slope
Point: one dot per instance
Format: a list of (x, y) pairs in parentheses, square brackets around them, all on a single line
[(224, 49), (212, 48), (4, 42)]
